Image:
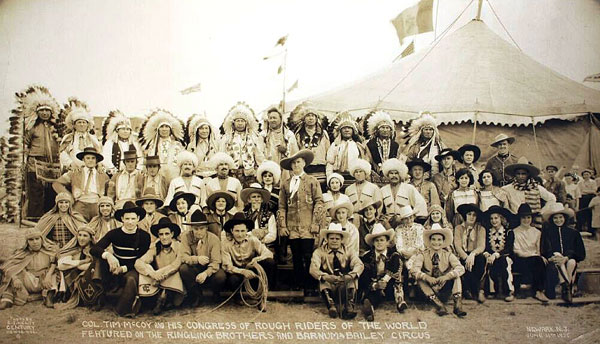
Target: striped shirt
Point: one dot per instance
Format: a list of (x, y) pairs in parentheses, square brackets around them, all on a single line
[(124, 246)]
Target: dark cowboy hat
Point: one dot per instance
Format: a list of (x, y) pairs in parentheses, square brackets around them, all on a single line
[(198, 218), (189, 197), (130, 154), (89, 151), (472, 148), (255, 188), (150, 195), (525, 210), (507, 214), (418, 162), (129, 207), (165, 222), (152, 160), (238, 218), (523, 164), (463, 209), (228, 196), (446, 152), (305, 154)]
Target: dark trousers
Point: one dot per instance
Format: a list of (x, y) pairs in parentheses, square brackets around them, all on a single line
[(188, 274), (531, 268), (472, 279), (552, 279), (302, 250), (234, 280), (40, 197), (584, 218), (501, 274), (127, 285)]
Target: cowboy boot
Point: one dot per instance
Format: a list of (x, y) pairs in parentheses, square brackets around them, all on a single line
[(481, 296), (401, 305), (160, 302), (349, 311), (440, 308), (458, 305), (5, 304), (368, 310), (49, 299), (326, 295)]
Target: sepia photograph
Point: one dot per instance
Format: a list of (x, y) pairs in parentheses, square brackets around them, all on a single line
[(299, 171)]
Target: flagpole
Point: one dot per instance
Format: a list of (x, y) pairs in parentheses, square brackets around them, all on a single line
[(479, 9), (284, 71)]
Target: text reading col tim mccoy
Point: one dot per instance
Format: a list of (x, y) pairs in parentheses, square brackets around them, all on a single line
[(256, 331)]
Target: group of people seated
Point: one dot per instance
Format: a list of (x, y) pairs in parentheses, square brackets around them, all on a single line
[(361, 222)]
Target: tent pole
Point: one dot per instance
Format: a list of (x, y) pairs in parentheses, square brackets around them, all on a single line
[(537, 146), (479, 10), (474, 129)]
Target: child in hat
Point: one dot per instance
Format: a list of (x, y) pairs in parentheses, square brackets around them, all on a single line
[(160, 265), (339, 212), (563, 248), (382, 275), (337, 269), (29, 271), (498, 248), (437, 270), (409, 241), (469, 243)]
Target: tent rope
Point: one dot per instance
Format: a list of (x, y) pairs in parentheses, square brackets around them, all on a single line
[(504, 27), (424, 56), (537, 146)]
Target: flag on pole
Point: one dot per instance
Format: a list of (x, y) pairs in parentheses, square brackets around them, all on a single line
[(281, 41), (294, 86), (192, 89), (409, 49), (593, 78), (414, 20)]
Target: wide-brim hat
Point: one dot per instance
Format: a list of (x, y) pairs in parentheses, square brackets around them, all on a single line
[(590, 170), (502, 137), (130, 154), (152, 160), (419, 162), (375, 203), (525, 210), (447, 233), (496, 209), (228, 196), (463, 209), (554, 208), (255, 188), (341, 204), (198, 218), (129, 207), (189, 197), (150, 195), (405, 211), (448, 152), (335, 228), (165, 222), (269, 166), (238, 218), (90, 151), (467, 147), (379, 230), (523, 164), (305, 154)]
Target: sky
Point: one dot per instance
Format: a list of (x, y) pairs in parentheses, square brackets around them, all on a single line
[(138, 55)]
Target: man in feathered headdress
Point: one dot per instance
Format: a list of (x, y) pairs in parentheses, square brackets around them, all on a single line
[(40, 141), (162, 134), (241, 141), (346, 147), (80, 128), (279, 141), (381, 145), (117, 139), (202, 139), (424, 140)]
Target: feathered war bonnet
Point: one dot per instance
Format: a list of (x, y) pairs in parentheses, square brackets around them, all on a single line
[(75, 110), (296, 118), (33, 99), (243, 111), (191, 129), (343, 119), (425, 120), (115, 121), (377, 119), (158, 117)]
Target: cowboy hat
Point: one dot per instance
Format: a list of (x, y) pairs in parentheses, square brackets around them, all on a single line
[(502, 137), (437, 229), (189, 197), (89, 151), (525, 210), (129, 207), (305, 154), (149, 195), (165, 222), (448, 152), (255, 188), (463, 209), (467, 147), (554, 208), (404, 212), (341, 204), (335, 228), (523, 164), (229, 198), (496, 209), (269, 166), (198, 218), (372, 202), (379, 230), (130, 154), (419, 162), (237, 219), (153, 160)]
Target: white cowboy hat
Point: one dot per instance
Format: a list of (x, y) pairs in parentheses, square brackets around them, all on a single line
[(335, 228), (341, 203), (379, 230), (437, 229), (551, 209)]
